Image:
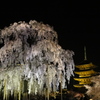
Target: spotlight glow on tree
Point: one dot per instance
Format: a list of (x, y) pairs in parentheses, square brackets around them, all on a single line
[(93, 91), (32, 61)]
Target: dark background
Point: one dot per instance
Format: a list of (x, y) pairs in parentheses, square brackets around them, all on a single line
[(77, 24)]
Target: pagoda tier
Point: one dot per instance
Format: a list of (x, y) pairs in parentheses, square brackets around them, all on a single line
[(85, 66), (78, 86), (83, 81), (87, 73)]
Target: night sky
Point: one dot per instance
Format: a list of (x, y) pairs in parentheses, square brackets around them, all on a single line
[(77, 26)]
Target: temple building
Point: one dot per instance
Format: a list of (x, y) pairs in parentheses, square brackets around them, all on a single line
[(83, 72)]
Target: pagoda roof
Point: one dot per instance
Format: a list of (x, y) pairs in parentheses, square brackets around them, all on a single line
[(78, 86), (85, 65), (87, 73), (83, 81)]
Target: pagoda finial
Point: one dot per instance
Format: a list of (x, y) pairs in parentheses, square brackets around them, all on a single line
[(85, 56)]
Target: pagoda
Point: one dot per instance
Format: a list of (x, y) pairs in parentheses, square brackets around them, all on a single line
[(83, 72)]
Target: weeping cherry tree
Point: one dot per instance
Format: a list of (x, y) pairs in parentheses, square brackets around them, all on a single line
[(32, 61)]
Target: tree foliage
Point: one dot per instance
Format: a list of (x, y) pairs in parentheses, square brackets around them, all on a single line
[(32, 61), (93, 91)]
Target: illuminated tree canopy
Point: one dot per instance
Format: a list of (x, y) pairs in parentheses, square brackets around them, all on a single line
[(93, 91), (30, 54)]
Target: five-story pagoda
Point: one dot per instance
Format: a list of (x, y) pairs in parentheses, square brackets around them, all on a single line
[(83, 72)]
